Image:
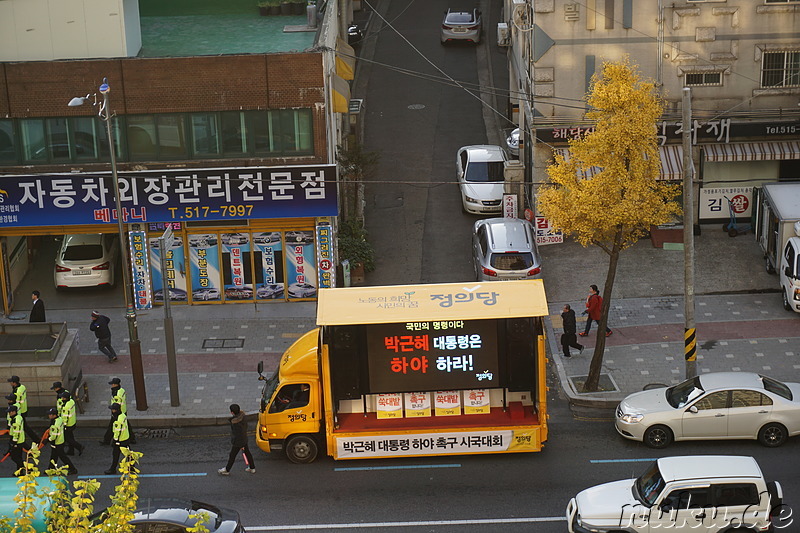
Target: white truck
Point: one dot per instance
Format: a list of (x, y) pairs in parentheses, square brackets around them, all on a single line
[(777, 229)]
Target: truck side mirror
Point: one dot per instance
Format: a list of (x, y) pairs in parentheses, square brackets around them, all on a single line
[(261, 367)]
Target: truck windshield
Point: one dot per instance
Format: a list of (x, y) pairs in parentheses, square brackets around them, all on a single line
[(269, 388), (649, 485)]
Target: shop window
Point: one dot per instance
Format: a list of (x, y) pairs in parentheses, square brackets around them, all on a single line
[(205, 138), (142, 140), (268, 262), (171, 137), (780, 69), (8, 148), (234, 140), (34, 148), (204, 267), (237, 275)]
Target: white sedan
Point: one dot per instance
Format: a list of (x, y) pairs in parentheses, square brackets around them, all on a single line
[(86, 260), (481, 176), (720, 405)]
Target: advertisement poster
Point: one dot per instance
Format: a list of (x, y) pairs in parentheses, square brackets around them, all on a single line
[(175, 273), (418, 404), (301, 269), (447, 403), (205, 272), (476, 402), (327, 275), (439, 443), (389, 405), (545, 234), (140, 270), (714, 203), (236, 266), (269, 253)]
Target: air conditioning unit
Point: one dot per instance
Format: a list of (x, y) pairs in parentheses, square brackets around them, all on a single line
[(503, 35)]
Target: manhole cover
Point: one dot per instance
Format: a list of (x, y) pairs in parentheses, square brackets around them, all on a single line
[(605, 383), (415, 107), (223, 343)]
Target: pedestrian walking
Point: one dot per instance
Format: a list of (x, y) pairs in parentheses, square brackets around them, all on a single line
[(37, 311), (568, 338), (238, 442), (103, 333), (18, 443), (120, 436), (56, 438), (21, 392), (594, 308), (120, 397), (68, 412), (12, 400)]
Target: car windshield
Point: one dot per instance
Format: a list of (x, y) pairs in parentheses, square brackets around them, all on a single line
[(649, 485), (776, 387), (683, 393), (512, 261), (484, 171), (82, 252)]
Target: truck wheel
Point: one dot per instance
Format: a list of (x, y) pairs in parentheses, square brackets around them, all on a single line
[(301, 449), (768, 265), (772, 435), (786, 304), (658, 437)]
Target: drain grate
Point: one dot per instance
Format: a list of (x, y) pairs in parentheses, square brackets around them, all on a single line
[(223, 343), (157, 433)]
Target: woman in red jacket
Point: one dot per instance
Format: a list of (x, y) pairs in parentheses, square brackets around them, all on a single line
[(594, 308)]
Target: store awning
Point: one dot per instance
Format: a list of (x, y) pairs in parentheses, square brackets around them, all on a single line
[(671, 162), (756, 151), (340, 93), (345, 60)]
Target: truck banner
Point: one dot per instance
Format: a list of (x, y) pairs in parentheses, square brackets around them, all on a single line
[(442, 443)]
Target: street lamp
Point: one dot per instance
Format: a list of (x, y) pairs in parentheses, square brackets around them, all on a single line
[(137, 369)]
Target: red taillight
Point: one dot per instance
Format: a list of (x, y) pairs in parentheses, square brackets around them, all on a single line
[(475, 27), (62, 269), (446, 27), (104, 266), (489, 272), (534, 271)]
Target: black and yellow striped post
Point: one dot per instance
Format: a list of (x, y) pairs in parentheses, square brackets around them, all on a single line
[(690, 344)]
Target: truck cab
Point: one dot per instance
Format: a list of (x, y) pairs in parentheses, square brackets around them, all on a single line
[(789, 273)]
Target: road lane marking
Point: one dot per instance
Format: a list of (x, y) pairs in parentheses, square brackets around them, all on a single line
[(187, 474), (403, 467), (645, 460), (420, 523)]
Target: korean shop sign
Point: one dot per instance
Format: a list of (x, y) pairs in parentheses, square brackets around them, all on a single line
[(169, 195)]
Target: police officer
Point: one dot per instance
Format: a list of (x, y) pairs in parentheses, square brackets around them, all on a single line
[(58, 388), (118, 396), (56, 439), (21, 391), (120, 434), (16, 431), (68, 412)]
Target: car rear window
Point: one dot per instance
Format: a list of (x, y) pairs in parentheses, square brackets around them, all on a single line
[(776, 387), (459, 18), (83, 252), (483, 171), (512, 261)]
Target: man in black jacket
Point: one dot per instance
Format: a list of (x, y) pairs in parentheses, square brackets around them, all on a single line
[(238, 442), (568, 338), (37, 311), (101, 330)]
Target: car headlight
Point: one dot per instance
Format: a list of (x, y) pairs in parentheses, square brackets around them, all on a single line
[(472, 200), (631, 418)]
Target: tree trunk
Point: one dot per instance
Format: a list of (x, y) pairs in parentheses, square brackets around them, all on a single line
[(593, 379)]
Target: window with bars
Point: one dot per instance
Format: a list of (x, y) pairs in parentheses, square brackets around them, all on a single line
[(780, 69), (700, 79)]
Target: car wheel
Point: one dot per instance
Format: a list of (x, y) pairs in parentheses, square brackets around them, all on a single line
[(768, 265), (658, 437), (301, 449), (786, 304), (772, 435)]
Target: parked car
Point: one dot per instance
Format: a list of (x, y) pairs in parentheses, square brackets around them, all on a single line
[(269, 291), (206, 293), (175, 295), (505, 248), (462, 26), (302, 290), (481, 173), (174, 515), (709, 493), (244, 292), (86, 260), (718, 405), (512, 143)]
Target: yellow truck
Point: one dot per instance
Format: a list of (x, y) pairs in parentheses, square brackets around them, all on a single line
[(412, 370)]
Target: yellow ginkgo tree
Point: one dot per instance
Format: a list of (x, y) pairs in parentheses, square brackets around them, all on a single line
[(607, 192)]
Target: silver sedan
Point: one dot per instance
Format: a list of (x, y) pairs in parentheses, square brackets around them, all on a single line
[(720, 405), (462, 26)]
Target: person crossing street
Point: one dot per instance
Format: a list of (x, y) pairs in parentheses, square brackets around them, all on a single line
[(55, 437), (67, 410), (101, 330), (120, 435)]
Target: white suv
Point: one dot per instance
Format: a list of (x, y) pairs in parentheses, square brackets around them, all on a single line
[(710, 493)]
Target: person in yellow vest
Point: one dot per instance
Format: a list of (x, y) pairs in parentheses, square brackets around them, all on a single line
[(16, 431), (119, 396), (56, 439), (120, 434), (67, 410), (21, 391)]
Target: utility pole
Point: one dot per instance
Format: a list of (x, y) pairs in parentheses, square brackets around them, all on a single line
[(689, 330)]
